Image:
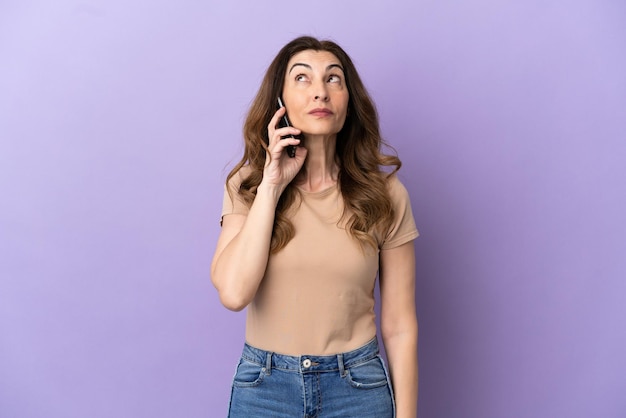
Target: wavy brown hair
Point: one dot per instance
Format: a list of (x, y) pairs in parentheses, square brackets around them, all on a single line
[(362, 180)]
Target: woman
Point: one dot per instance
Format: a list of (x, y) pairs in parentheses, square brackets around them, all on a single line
[(302, 240)]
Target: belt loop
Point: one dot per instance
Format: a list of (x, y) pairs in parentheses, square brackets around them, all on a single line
[(268, 364), (342, 371)]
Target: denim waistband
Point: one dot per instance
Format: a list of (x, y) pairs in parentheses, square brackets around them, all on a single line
[(309, 363)]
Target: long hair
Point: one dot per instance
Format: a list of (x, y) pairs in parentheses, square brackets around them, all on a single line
[(362, 180)]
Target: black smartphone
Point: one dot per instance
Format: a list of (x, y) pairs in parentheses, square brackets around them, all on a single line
[(284, 122)]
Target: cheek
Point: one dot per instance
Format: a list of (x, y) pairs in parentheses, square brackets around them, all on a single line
[(341, 122), (341, 100), (293, 100), (344, 110)]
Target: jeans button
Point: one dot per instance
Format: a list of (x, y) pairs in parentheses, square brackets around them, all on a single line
[(306, 363)]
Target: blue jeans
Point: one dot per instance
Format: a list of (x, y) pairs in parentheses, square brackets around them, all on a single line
[(352, 384)]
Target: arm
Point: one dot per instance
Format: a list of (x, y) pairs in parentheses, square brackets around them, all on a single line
[(399, 324), (243, 247), (242, 251)]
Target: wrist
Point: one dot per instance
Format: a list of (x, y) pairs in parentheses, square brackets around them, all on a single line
[(271, 191)]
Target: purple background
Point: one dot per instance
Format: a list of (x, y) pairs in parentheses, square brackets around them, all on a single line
[(119, 121)]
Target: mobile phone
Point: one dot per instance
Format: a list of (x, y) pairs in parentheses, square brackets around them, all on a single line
[(284, 122)]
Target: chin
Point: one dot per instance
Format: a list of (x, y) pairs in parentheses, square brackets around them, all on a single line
[(320, 131), (325, 133)]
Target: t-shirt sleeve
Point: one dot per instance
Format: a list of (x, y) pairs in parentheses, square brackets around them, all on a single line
[(233, 203), (403, 228)]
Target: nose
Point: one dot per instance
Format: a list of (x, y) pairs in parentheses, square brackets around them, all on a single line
[(321, 94)]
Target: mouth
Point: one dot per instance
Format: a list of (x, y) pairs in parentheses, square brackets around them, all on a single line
[(321, 112)]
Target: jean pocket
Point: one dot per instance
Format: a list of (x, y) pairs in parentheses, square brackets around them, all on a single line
[(368, 375), (248, 374)]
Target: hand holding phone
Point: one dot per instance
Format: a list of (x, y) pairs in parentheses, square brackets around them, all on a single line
[(283, 123)]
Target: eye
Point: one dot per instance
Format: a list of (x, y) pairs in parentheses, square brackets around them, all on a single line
[(334, 79), (301, 77)]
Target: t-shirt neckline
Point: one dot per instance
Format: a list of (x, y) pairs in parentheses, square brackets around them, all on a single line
[(319, 193)]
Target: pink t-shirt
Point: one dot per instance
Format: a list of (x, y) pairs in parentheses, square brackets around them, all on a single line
[(317, 295)]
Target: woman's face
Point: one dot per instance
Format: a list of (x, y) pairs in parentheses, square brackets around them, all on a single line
[(315, 93)]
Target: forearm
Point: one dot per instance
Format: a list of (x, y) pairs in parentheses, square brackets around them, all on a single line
[(239, 268), (401, 349)]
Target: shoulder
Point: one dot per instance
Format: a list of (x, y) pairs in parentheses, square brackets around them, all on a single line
[(396, 189), (238, 177), (402, 228), (234, 200)]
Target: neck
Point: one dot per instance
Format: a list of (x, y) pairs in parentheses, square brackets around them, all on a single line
[(320, 166)]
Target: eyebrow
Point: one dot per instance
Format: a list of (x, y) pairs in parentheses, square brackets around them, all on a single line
[(310, 68)]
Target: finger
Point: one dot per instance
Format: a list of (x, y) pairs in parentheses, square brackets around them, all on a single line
[(282, 134), (280, 145), (286, 132), (271, 126)]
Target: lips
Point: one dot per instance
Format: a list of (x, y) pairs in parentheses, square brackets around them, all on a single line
[(321, 112)]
